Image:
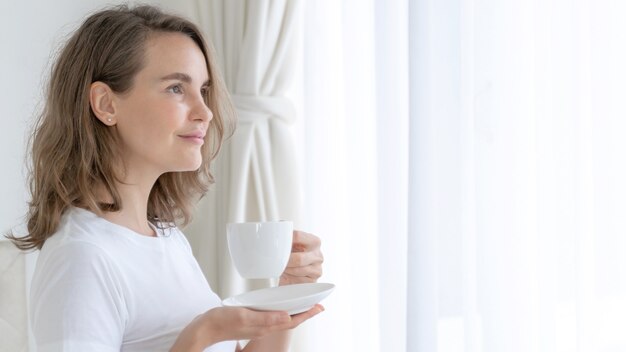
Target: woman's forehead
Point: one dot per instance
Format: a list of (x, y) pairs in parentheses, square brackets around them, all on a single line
[(175, 55)]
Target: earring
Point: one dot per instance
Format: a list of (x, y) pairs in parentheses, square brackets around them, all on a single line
[(109, 119)]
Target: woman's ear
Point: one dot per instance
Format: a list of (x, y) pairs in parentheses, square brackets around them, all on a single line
[(102, 99)]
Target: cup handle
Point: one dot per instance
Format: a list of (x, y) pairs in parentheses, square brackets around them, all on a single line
[(274, 281)]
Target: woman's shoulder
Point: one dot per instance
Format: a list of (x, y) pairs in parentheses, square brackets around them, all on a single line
[(76, 239), (72, 253), (77, 228), (81, 232)]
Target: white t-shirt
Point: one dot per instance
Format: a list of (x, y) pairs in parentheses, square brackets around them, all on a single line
[(101, 287)]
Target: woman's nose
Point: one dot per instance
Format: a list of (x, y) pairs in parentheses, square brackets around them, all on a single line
[(201, 111)]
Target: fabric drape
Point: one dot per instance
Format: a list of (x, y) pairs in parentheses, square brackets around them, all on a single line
[(256, 170)]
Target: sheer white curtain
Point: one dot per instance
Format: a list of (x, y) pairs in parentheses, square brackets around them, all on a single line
[(517, 176), (516, 166), (353, 138)]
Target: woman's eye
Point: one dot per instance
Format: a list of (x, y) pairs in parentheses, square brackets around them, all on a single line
[(177, 89)]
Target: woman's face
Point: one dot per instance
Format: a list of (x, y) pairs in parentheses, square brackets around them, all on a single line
[(163, 119)]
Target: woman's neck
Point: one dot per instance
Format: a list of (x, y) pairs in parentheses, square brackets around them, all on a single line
[(134, 212)]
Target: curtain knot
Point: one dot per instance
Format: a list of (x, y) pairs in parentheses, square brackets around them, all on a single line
[(252, 108)]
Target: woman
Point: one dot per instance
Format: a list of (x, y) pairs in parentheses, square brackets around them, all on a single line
[(135, 112)]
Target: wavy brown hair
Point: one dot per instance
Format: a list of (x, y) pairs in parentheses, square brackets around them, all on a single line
[(74, 154)]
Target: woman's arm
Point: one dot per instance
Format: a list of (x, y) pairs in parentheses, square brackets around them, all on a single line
[(228, 324), (267, 331), (75, 300)]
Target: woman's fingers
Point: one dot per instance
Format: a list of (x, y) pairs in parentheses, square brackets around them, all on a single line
[(302, 317), (313, 272), (267, 322), (305, 258), (305, 242), (230, 323), (267, 319), (305, 261)]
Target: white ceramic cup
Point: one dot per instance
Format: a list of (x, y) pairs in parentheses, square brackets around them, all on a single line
[(260, 250)]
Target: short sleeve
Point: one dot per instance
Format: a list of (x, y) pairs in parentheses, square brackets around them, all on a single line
[(76, 300)]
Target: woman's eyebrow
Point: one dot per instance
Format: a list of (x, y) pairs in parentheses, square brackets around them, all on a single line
[(181, 77)]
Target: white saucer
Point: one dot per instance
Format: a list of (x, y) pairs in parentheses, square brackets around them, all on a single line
[(294, 299)]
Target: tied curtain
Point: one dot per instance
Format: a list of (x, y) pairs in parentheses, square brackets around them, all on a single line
[(256, 176), (256, 173)]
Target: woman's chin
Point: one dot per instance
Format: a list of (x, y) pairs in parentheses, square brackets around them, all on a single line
[(193, 166), (187, 167)]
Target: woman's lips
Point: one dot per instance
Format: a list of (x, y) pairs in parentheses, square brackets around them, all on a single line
[(197, 138)]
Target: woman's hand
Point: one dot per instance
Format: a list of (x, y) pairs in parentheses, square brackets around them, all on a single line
[(231, 323), (305, 262)]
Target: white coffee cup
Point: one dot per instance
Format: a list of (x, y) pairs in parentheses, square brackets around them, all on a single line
[(260, 250)]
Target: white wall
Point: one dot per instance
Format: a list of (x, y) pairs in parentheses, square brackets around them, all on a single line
[(31, 30)]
